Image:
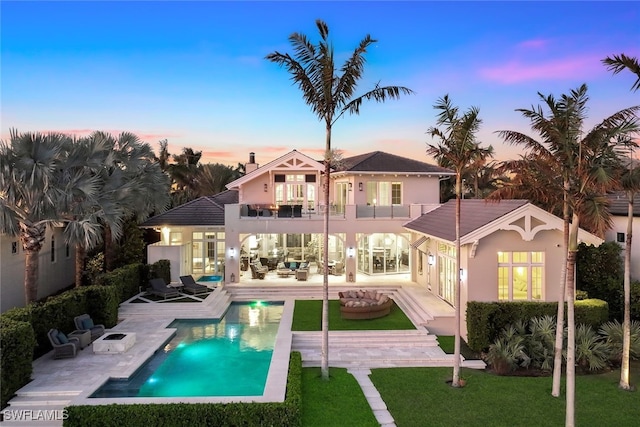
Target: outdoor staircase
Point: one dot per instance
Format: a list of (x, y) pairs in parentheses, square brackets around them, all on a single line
[(41, 408)]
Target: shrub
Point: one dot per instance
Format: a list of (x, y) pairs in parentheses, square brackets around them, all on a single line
[(635, 300), (161, 268), (508, 352), (16, 341), (127, 280), (612, 333), (600, 272), (592, 352)]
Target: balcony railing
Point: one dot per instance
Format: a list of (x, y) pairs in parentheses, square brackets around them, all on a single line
[(289, 212)]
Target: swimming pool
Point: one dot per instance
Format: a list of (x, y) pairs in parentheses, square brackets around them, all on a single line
[(208, 357), (209, 278)]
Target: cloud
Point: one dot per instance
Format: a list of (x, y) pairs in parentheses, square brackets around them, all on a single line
[(517, 71)]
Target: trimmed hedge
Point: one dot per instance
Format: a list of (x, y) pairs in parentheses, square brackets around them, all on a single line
[(127, 280), (16, 341), (287, 413), (161, 269), (485, 320)]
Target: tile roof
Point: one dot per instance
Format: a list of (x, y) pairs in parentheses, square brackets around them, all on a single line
[(474, 214), (207, 210), (619, 205), (379, 161)]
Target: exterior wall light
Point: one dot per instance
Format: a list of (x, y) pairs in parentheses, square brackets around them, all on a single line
[(265, 187), (432, 259), (360, 186), (232, 252), (351, 252)]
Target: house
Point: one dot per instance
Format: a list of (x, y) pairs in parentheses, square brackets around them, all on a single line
[(55, 268), (275, 213), (619, 209), (510, 251), (385, 220)]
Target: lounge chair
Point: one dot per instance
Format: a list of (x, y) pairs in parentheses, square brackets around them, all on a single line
[(63, 346), (337, 269), (85, 323), (258, 271), (190, 285), (160, 288)]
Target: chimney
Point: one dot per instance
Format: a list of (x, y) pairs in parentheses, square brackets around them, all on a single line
[(252, 165)]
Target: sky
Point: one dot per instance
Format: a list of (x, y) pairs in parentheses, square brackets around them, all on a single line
[(195, 73)]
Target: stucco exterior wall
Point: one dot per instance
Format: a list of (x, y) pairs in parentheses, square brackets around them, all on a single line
[(620, 226), (52, 276)]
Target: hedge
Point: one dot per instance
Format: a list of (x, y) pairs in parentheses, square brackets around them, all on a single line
[(485, 320), (16, 341), (287, 413)]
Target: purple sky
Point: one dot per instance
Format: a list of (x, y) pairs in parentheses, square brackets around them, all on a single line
[(195, 74)]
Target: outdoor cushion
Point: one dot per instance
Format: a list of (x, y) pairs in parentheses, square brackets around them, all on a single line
[(54, 337), (303, 265), (87, 323), (280, 266), (293, 265), (62, 338)]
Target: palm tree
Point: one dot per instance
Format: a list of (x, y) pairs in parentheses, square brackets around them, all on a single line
[(584, 165), (213, 177), (622, 61), (330, 95), (458, 150), (37, 181)]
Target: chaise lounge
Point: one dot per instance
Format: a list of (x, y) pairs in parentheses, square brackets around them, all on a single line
[(85, 323), (364, 304), (190, 286), (63, 346), (160, 288)]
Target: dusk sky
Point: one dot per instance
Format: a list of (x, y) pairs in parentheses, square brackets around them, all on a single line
[(195, 74)]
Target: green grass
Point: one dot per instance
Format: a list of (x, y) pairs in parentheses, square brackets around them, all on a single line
[(421, 396), (307, 316), (337, 402)]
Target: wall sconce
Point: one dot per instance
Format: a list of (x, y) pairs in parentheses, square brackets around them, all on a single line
[(432, 259), (360, 186), (265, 187), (351, 277), (232, 252), (350, 186), (233, 277), (351, 252), (463, 274)]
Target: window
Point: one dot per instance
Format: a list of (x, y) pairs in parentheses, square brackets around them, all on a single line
[(384, 193), (14, 247), (620, 237), (396, 193), (67, 251), (53, 249), (520, 276)]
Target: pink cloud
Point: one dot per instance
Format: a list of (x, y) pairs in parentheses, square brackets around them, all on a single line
[(520, 71), (533, 44)]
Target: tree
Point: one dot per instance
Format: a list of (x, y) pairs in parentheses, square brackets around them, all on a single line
[(458, 150), (213, 177), (39, 179), (622, 61), (584, 164), (329, 94)]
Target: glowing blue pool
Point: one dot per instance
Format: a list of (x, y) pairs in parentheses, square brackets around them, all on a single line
[(208, 357), (210, 278)]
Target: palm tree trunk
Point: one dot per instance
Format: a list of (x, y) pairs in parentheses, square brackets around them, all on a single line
[(571, 324), (81, 254), (456, 347), (557, 360), (109, 255), (32, 238), (626, 321), (324, 363)]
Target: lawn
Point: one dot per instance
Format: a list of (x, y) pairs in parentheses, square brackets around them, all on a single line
[(447, 343), (307, 316), (337, 402), (421, 396)]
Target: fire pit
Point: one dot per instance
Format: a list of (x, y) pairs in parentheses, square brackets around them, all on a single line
[(111, 343)]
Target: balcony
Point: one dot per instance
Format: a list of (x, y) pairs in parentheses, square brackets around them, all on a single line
[(296, 212)]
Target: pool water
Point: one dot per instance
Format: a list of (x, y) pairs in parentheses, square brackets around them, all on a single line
[(208, 357), (209, 279)]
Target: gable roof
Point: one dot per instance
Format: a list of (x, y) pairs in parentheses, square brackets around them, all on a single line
[(294, 160), (619, 205), (379, 161), (207, 210), (480, 218)]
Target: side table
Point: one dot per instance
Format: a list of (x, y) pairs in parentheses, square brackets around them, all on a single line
[(83, 335)]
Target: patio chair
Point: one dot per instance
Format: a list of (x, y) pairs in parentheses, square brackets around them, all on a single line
[(190, 285), (337, 269), (63, 346), (258, 271), (85, 323), (160, 288)]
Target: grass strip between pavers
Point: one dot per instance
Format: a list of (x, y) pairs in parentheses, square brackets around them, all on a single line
[(307, 316)]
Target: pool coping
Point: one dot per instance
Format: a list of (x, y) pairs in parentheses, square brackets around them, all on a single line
[(275, 386)]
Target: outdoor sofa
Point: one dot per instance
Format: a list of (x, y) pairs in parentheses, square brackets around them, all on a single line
[(63, 346), (364, 304), (85, 323)]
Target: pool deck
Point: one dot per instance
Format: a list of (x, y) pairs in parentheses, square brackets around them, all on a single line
[(59, 383)]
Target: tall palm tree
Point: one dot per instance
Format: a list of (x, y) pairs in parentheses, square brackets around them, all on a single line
[(584, 164), (458, 150), (213, 177), (38, 177), (617, 63), (330, 94)]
